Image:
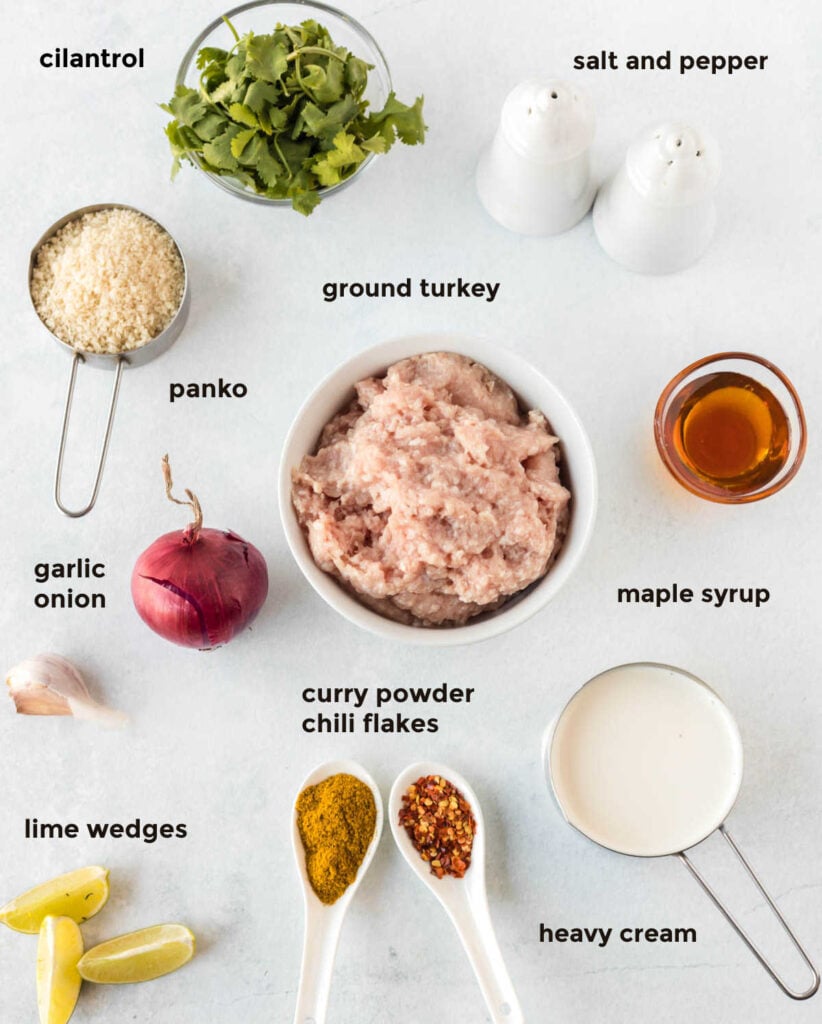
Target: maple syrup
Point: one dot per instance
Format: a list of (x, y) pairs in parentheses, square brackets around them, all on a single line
[(729, 431)]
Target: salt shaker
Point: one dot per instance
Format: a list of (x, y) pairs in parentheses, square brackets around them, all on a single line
[(535, 177), (657, 213)]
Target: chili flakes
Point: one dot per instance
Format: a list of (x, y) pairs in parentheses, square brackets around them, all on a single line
[(441, 825)]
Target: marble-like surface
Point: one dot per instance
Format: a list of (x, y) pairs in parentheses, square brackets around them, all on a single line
[(215, 740)]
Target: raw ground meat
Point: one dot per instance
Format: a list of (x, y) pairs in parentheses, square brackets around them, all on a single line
[(432, 497)]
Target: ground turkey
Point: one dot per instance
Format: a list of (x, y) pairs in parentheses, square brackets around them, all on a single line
[(432, 497)]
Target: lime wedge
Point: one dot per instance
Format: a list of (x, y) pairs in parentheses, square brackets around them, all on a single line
[(138, 956), (78, 895), (59, 949)]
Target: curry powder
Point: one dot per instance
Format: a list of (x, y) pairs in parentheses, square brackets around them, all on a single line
[(336, 821)]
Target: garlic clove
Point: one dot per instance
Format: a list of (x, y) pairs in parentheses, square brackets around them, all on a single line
[(34, 699), (49, 684)]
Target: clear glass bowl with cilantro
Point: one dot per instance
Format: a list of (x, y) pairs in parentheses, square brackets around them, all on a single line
[(285, 103)]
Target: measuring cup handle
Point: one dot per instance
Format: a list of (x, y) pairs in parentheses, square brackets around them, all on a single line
[(76, 514), (742, 934)]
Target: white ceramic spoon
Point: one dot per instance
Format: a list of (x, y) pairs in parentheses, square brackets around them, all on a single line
[(323, 921), (464, 899)]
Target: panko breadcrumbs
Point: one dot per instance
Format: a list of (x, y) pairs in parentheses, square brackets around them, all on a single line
[(109, 281)]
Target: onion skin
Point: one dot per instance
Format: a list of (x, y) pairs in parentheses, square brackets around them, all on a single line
[(199, 590)]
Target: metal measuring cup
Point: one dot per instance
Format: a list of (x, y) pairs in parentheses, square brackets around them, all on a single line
[(605, 825), (116, 361)]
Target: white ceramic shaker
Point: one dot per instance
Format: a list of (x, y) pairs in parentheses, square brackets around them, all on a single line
[(535, 177), (657, 213)]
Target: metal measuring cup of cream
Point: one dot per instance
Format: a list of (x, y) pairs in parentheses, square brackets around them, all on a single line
[(116, 361), (646, 760)]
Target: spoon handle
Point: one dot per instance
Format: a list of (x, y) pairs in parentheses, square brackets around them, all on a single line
[(322, 933), (476, 931)]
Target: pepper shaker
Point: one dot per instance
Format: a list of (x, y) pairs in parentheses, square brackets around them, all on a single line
[(657, 214), (535, 177)]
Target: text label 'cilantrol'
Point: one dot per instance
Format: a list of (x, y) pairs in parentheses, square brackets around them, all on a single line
[(61, 57)]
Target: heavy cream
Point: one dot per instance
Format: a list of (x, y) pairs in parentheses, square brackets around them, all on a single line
[(646, 760)]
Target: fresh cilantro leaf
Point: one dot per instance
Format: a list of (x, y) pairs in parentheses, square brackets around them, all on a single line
[(313, 32), (183, 141), (210, 126), (218, 152), (327, 173), (330, 87), (178, 146), (311, 120), (278, 118), (186, 105), (339, 162), (211, 55), (269, 169), (266, 58), (312, 77), (356, 74), (346, 150), (235, 66), (211, 79), (242, 114), (224, 93), (292, 153), (324, 125), (375, 144), (179, 150), (240, 141), (305, 202), (190, 138), (396, 117), (261, 96)]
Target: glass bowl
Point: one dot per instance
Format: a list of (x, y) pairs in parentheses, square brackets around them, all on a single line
[(261, 17), (768, 379)]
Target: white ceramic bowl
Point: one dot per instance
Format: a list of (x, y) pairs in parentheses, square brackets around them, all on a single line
[(534, 392)]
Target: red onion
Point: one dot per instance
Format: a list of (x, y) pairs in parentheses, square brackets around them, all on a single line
[(199, 587)]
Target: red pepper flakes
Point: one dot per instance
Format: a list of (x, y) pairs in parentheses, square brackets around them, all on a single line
[(440, 824)]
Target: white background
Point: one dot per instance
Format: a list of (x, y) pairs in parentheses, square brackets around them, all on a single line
[(215, 740)]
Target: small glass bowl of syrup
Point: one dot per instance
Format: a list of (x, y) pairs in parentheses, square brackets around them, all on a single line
[(730, 428)]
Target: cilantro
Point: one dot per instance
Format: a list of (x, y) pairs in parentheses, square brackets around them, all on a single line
[(396, 117), (210, 55), (284, 114), (219, 152), (268, 167), (266, 57), (186, 106), (334, 165), (242, 114), (305, 202), (240, 142)]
